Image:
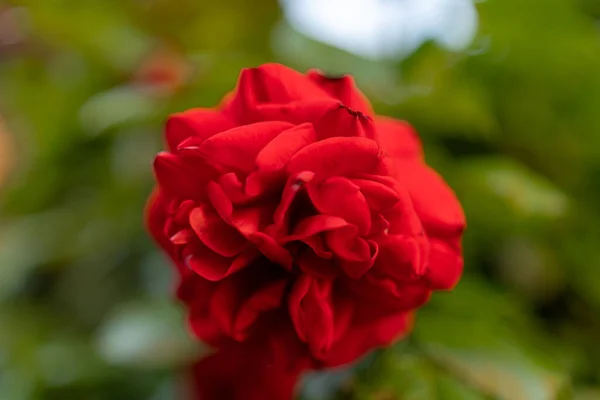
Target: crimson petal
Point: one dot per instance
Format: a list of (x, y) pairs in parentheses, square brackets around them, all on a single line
[(398, 139), (265, 299), (345, 122), (379, 197), (179, 179), (238, 147), (312, 313), (363, 337), (217, 235), (344, 89), (199, 123), (272, 83), (434, 202), (338, 156), (214, 267), (313, 265), (445, 264), (272, 159), (340, 197)]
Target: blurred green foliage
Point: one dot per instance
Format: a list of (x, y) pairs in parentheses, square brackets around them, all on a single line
[(511, 122)]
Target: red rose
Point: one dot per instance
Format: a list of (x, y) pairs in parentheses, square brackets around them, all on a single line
[(292, 211)]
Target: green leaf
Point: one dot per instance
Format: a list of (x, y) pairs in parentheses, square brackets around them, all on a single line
[(493, 346)]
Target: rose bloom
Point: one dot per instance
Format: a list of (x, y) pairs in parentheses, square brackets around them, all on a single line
[(305, 229)]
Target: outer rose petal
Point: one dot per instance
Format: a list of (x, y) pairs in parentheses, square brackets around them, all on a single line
[(446, 264), (436, 205), (156, 217), (238, 301), (403, 257), (363, 337), (201, 123), (196, 293), (343, 89), (242, 372), (384, 294), (181, 179), (268, 298), (272, 83), (343, 121), (398, 139), (296, 112), (266, 366), (320, 315)]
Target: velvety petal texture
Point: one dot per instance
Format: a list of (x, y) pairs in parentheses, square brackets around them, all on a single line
[(305, 229)]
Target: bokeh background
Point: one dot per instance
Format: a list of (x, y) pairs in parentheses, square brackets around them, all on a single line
[(506, 96)]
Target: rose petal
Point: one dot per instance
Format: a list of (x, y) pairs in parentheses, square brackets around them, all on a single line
[(361, 338), (272, 83), (274, 157), (271, 249), (296, 112), (267, 298), (402, 217), (312, 313), (214, 267), (199, 318), (403, 257), (338, 156), (356, 255), (176, 178), (314, 225), (344, 89), (182, 237), (251, 370), (251, 219), (338, 196), (237, 148), (233, 188), (379, 226), (227, 297), (398, 139), (445, 264), (385, 294), (317, 245), (379, 197), (295, 182), (315, 266), (217, 235), (181, 212), (345, 122), (345, 244), (156, 219), (276, 154), (434, 202), (200, 123), (220, 201), (238, 301)]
